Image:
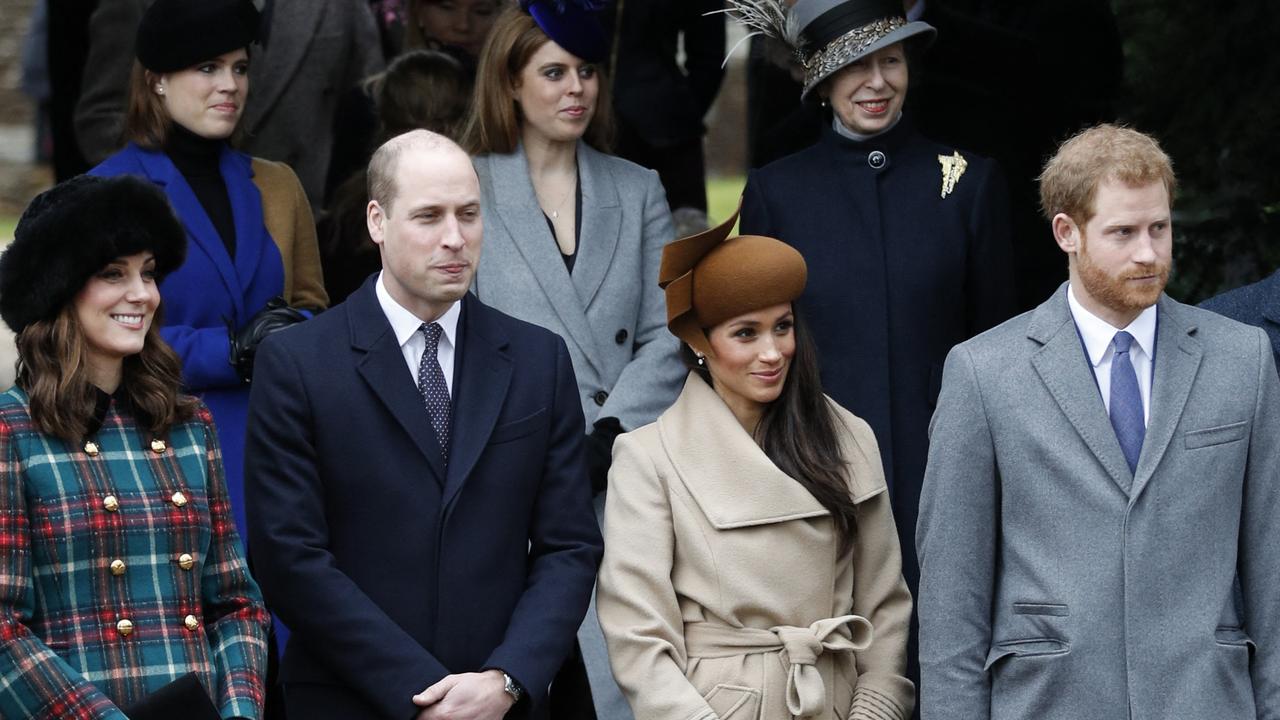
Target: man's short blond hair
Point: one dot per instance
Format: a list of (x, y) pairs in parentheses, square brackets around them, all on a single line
[(1070, 180)]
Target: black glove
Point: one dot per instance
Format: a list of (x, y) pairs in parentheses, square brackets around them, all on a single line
[(600, 452), (276, 316)]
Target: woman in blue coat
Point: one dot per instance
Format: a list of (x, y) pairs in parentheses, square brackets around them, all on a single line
[(907, 240), (248, 223)]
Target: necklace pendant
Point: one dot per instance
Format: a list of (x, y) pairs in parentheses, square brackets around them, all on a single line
[(555, 214)]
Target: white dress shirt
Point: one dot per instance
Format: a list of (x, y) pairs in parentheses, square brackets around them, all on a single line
[(1098, 335), (407, 328)]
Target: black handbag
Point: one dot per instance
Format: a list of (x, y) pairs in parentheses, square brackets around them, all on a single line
[(183, 698)]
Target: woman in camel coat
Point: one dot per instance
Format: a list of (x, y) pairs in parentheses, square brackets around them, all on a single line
[(733, 588)]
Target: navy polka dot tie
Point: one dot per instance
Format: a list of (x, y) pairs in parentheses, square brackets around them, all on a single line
[(435, 393)]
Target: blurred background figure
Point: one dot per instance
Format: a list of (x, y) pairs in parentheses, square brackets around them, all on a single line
[(573, 240), (426, 89), (68, 50), (907, 239), (666, 65), (458, 27), (106, 462), (311, 53)]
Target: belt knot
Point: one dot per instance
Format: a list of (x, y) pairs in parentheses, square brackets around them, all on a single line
[(806, 693)]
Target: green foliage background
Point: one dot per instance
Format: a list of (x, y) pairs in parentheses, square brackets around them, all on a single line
[(1204, 77)]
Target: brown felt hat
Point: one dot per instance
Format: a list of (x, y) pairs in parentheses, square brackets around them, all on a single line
[(711, 277)]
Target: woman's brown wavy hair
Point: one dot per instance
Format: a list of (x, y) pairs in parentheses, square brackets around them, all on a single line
[(53, 370)]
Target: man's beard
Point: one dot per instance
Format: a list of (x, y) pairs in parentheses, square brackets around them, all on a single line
[(1117, 293)]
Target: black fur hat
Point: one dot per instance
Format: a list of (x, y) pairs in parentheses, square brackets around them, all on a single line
[(72, 231), (176, 34)]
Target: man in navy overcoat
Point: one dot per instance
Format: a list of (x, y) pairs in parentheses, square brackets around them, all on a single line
[(1256, 304), (419, 510)]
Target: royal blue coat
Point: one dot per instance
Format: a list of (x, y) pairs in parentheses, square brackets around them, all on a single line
[(211, 290), (898, 274)]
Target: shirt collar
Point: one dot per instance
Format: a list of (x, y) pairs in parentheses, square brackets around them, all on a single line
[(1098, 333), (405, 324)]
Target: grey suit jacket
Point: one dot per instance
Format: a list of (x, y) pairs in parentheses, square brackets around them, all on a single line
[(315, 51), (1057, 585), (610, 310)]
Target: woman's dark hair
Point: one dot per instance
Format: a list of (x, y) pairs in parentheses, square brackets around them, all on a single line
[(422, 89), (53, 370), (494, 123), (798, 432)]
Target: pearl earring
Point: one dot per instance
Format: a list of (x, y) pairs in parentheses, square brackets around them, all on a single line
[(159, 89), (702, 360)]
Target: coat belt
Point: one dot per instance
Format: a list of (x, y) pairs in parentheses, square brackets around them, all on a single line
[(801, 646)]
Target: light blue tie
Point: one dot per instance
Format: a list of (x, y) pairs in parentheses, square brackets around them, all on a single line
[(1126, 402)]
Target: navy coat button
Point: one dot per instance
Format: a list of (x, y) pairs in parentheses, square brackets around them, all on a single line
[(876, 159), (621, 337), (600, 397)]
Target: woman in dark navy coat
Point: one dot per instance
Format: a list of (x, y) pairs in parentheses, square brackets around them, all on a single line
[(248, 223), (907, 240)]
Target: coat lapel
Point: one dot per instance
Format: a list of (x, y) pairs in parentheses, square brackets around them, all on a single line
[(601, 221), (383, 368), (482, 372), (734, 483), (526, 228), (1178, 355), (161, 170), (271, 74), (1065, 371), (246, 212)]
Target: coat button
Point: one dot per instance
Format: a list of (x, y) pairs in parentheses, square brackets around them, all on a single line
[(191, 623), (185, 561), (157, 446), (621, 337), (117, 567), (178, 499), (110, 503), (877, 159), (91, 447), (600, 397), (124, 627)]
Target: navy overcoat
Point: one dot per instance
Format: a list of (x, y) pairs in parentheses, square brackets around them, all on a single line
[(899, 271), (391, 570)]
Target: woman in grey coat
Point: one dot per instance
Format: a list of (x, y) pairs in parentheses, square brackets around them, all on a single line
[(573, 239), (573, 236)]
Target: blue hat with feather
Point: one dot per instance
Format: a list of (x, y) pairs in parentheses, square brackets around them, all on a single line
[(572, 24)]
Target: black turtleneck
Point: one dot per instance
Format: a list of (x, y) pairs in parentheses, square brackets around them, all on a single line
[(197, 159)]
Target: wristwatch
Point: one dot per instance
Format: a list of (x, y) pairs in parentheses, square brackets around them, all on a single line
[(512, 687)]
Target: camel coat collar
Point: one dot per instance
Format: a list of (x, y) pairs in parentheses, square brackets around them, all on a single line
[(730, 477)]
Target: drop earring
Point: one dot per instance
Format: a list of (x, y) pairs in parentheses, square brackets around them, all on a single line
[(702, 361)]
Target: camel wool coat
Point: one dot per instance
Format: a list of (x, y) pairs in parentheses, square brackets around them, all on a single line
[(723, 593)]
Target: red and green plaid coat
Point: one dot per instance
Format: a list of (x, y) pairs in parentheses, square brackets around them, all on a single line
[(120, 571)]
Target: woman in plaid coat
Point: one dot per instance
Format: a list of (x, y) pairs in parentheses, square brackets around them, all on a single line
[(121, 572)]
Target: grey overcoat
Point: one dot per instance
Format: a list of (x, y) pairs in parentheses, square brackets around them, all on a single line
[(1057, 585), (610, 310)]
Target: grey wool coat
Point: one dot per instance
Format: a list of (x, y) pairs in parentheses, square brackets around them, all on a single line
[(723, 593), (610, 310), (1057, 585)]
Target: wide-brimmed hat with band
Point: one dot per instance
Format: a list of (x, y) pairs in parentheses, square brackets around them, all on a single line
[(711, 277), (829, 34)]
